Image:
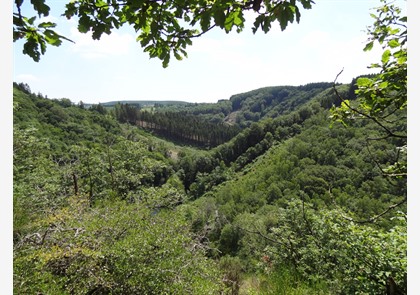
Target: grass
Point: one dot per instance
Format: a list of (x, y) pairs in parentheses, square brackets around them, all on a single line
[(280, 282)]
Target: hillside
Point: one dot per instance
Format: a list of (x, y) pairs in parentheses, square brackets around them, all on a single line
[(102, 205), (211, 124), (251, 106), (147, 103)]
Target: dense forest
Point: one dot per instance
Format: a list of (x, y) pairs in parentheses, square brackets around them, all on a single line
[(279, 190), (102, 205)]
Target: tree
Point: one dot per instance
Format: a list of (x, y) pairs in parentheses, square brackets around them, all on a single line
[(321, 246), (164, 28), (113, 248), (382, 98)]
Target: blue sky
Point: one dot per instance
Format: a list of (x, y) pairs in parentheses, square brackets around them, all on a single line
[(329, 37)]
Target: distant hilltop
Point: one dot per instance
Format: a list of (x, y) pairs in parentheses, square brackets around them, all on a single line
[(142, 103)]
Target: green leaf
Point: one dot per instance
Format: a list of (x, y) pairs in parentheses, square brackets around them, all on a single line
[(257, 23), (219, 18), (52, 38), (393, 43), (47, 25), (84, 24), (368, 46), (239, 19), (383, 85), (177, 56), (43, 45), (297, 14), (70, 10), (40, 7), (100, 3), (307, 4), (402, 60), (284, 16), (385, 56), (344, 105), (31, 20), (266, 25), (98, 31), (184, 52), (234, 18), (363, 82), (31, 48), (165, 61), (205, 21)]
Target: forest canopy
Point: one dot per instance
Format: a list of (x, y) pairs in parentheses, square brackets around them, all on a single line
[(278, 200)]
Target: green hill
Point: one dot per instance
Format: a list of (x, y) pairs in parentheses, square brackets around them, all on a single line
[(275, 202)]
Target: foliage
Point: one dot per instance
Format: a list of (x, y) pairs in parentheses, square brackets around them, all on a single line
[(36, 36), (198, 109), (127, 113), (215, 124), (100, 206), (213, 199), (383, 97), (112, 248), (73, 233), (187, 128), (286, 281), (271, 102), (324, 172), (37, 182), (335, 174), (165, 28), (321, 245), (85, 153)]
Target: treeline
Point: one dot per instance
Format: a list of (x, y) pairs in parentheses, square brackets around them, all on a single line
[(94, 207), (87, 143), (184, 127), (127, 113), (295, 193), (255, 140), (245, 108), (271, 102), (275, 202), (222, 106), (181, 126)]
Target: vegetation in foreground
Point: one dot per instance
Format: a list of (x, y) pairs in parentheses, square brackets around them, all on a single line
[(289, 205)]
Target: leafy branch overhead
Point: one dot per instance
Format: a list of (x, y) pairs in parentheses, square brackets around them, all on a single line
[(37, 37), (164, 28)]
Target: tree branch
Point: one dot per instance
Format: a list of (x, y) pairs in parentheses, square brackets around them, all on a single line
[(372, 219), (261, 235), (376, 217), (390, 133)]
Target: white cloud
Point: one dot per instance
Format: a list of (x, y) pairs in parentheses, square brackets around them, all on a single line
[(115, 44)]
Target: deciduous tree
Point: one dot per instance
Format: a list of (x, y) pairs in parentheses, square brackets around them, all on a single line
[(164, 28), (382, 98)]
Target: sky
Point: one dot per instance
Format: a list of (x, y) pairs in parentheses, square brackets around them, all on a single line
[(329, 37)]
